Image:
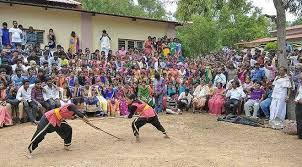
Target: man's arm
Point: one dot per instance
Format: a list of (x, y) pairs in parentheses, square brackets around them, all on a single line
[(74, 109), (19, 94)]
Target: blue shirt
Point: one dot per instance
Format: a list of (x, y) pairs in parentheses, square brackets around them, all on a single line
[(32, 79), (257, 75), (5, 37), (18, 81), (181, 89)]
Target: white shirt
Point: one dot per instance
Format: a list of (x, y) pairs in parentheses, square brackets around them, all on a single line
[(105, 42), (299, 96), (253, 62), (51, 93), (16, 34), (220, 78), (236, 93), (23, 94), (183, 96)]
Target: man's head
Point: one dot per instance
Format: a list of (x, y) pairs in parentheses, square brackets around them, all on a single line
[(38, 83), (18, 71), (26, 84), (4, 25), (15, 24), (31, 29), (258, 85), (257, 65)]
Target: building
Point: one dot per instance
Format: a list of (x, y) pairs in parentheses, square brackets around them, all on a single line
[(64, 16), (293, 36)]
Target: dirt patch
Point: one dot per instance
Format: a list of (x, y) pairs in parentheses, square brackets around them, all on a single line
[(196, 140)]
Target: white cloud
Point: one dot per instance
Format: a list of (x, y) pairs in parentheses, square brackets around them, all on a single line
[(269, 8)]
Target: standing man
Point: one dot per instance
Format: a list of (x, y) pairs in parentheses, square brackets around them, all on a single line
[(159, 91), (105, 42), (31, 37), (298, 101), (15, 35), (5, 35)]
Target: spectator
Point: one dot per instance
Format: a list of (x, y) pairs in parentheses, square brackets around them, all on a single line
[(15, 35), (159, 91), (105, 42), (281, 94), (24, 97), (51, 39), (184, 101), (5, 35), (51, 95), (24, 37), (18, 79), (5, 108), (219, 78), (266, 103), (256, 96), (74, 43), (234, 96), (37, 98), (257, 74), (216, 102), (32, 38)]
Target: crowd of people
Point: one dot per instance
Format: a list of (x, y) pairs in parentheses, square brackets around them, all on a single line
[(35, 80)]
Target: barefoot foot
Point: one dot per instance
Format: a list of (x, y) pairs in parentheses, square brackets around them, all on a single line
[(137, 139), (67, 148)]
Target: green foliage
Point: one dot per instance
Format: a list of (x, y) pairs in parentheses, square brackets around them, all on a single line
[(233, 21), (271, 46), (145, 8), (200, 37), (153, 8), (297, 22)]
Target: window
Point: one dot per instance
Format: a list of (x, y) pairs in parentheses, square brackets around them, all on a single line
[(121, 43), (130, 44), (40, 35)]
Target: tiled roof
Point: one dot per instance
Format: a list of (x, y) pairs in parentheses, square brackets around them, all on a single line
[(291, 28), (264, 40), (72, 2)]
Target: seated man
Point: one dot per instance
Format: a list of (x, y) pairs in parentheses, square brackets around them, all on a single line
[(256, 96), (234, 96), (37, 98), (184, 100), (51, 95), (24, 96)]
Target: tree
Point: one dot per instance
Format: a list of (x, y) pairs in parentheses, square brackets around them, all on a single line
[(234, 20), (298, 21), (145, 8), (200, 37), (153, 8), (293, 6)]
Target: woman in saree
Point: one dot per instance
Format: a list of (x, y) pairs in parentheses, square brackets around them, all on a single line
[(148, 46), (216, 102), (74, 43), (200, 96), (5, 108), (144, 93), (120, 95)]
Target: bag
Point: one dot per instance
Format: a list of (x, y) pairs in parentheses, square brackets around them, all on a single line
[(290, 127)]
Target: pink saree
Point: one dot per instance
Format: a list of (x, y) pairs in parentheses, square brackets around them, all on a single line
[(216, 102)]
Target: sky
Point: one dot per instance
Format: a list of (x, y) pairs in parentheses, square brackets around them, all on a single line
[(266, 5)]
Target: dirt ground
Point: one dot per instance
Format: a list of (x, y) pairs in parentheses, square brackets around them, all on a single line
[(196, 140)]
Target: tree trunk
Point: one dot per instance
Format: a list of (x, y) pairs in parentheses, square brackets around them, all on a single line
[(281, 33)]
